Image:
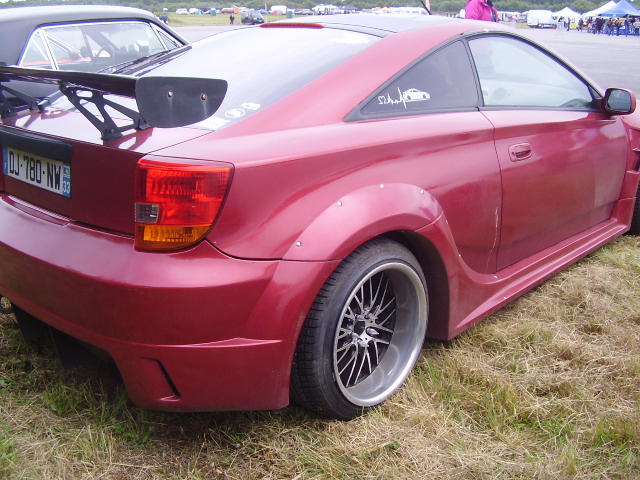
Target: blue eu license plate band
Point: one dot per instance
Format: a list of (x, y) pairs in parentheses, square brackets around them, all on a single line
[(46, 173)]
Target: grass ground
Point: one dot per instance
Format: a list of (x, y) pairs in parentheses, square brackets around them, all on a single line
[(547, 388), (220, 19)]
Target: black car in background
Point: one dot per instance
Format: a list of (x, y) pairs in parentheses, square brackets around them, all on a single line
[(87, 38), (252, 18)]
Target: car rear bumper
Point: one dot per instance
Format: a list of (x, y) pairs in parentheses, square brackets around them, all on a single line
[(191, 330)]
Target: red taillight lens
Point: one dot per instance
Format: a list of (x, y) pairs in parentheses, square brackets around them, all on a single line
[(177, 203)]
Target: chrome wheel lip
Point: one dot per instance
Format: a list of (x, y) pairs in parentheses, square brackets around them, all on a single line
[(406, 342)]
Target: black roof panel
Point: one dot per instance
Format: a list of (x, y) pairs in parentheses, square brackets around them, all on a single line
[(17, 24)]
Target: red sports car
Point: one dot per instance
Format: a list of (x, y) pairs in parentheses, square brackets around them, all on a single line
[(238, 230)]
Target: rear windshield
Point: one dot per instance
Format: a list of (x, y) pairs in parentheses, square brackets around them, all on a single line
[(263, 65)]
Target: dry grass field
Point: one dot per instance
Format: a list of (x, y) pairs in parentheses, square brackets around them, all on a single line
[(547, 388), (220, 19)]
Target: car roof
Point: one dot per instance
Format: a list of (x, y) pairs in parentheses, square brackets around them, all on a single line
[(17, 24)]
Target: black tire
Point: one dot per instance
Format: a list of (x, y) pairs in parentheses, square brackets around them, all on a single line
[(5, 308), (635, 220), (363, 334)]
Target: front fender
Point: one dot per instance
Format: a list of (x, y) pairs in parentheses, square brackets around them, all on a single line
[(361, 215)]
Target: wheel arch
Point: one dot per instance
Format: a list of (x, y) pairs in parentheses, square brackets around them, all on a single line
[(359, 216), (395, 211), (634, 227), (435, 274)]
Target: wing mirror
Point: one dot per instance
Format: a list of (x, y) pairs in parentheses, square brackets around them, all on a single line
[(618, 101)]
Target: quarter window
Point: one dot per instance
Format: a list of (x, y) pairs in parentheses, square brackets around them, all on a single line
[(36, 53), (443, 80), (515, 73)]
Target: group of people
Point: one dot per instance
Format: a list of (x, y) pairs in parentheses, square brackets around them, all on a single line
[(611, 26), (484, 10)]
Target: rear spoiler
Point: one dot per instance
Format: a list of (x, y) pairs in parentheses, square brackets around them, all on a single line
[(164, 102)]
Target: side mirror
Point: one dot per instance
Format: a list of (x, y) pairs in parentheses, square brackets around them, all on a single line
[(618, 101)]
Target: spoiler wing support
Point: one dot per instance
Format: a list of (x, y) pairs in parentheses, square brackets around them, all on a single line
[(103, 122), (8, 109), (164, 102)]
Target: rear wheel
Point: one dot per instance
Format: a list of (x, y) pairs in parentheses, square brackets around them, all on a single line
[(363, 334)]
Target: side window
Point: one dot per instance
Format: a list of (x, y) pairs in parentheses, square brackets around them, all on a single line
[(515, 73), (135, 39), (443, 80), (35, 55), (169, 42)]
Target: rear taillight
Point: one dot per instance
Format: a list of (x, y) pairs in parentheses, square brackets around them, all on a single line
[(177, 203)]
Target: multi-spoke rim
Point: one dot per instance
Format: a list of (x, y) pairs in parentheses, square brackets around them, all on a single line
[(380, 333)]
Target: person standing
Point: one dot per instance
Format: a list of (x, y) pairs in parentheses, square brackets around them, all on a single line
[(481, 10)]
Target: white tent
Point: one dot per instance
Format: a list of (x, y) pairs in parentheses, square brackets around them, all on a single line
[(599, 10), (567, 12)]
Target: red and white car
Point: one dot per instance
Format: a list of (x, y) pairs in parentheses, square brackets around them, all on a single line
[(238, 230)]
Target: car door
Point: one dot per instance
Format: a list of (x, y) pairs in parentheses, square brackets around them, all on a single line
[(449, 150), (562, 160)]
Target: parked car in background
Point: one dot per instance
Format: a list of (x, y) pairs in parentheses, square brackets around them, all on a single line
[(80, 37), (252, 18), (540, 19), (255, 228), (182, 11)]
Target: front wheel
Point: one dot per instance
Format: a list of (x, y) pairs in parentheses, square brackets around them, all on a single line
[(363, 334), (635, 220)]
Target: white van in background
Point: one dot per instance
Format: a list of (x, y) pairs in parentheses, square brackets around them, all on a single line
[(540, 19)]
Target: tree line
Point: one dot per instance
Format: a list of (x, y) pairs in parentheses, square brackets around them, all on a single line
[(437, 6)]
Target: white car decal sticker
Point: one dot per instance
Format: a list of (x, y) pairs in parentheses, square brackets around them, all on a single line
[(234, 113), (408, 96), (250, 106)]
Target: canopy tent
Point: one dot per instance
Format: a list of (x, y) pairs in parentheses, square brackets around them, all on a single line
[(599, 10), (567, 12), (622, 9)]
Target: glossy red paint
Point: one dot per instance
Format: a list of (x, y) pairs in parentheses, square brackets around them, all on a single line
[(148, 309), (490, 201)]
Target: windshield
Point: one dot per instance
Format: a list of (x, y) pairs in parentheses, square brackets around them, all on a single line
[(91, 47), (263, 65)]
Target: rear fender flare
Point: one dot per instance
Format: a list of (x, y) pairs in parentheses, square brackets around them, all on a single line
[(361, 215)]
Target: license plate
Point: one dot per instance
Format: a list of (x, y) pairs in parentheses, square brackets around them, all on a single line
[(46, 173)]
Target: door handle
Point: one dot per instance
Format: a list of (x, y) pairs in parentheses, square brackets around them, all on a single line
[(520, 151)]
